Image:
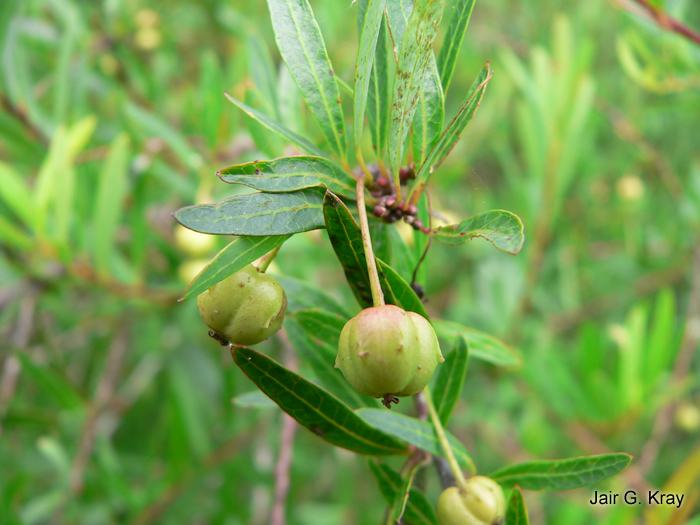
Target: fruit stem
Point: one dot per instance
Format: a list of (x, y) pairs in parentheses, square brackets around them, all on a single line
[(449, 455), (377, 294), (268, 258)]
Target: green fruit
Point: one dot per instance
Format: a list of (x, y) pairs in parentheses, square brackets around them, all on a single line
[(386, 351), (245, 308), (480, 503)]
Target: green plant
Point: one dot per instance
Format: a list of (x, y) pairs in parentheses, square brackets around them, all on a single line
[(402, 94), (481, 502)]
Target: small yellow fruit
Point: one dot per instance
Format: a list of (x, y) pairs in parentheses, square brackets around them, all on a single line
[(245, 308), (192, 242), (480, 503), (386, 351)]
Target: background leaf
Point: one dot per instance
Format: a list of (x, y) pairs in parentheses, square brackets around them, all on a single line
[(313, 407), (564, 474), (502, 228), (430, 114), (482, 346), (304, 51), (257, 214)]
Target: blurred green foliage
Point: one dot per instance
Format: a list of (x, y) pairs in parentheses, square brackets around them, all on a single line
[(115, 406)]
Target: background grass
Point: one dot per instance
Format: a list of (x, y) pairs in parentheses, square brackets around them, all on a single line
[(115, 406)]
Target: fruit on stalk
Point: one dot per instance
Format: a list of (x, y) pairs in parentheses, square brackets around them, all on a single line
[(385, 351), (245, 308)]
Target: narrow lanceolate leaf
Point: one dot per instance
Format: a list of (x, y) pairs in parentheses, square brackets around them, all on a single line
[(401, 499), (447, 59), (415, 432), (565, 474), (239, 253), (262, 71), (451, 135), (301, 295), (378, 95), (304, 51), (323, 325), (313, 407), (419, 511), (320, 356), (516, 513), (278, 128), (291, 174), (430, 113), (414, 56), (398, 13), (450, 380), (346, 238), (372, 20), (502, 228), (481, 346), (257, 215)]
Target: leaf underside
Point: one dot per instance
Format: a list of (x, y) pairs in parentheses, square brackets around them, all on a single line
[(502, 228)]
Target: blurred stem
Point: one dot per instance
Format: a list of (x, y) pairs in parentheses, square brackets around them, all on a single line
[(361, 161), (662, 19), (377, 294), (456, 470), (268, 258)]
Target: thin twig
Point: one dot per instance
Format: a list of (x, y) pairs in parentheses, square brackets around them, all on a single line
[(289, 427), (22, 117), (662, 19), (377, 294), (688, 346)]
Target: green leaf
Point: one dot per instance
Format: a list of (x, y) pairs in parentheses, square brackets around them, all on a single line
[(502, 228), (302, 47), (291, 174), (54, 384), (313, 407), (323, 325), (278, 128), (268, 145), (262, 71), (403, 494), (366, 50), (430, 114), (516, 513), (239, 253), (377, 110), (414, 57), (320, 354), (451, 135), (450, 380), (254, 399), (211, 85), (112, 186), (257, 214), (481, 346), (301, 295), (346, 238), (398, 13), (415, 432), (447, 59), (565, 474), (419, 511), (15, 194)]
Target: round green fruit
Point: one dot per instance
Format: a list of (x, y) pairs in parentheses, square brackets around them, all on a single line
[(245, 308), (480, 503), (385, 351)]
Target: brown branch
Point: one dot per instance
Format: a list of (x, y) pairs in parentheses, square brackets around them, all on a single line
[(103, 396), (662, 19), (289, 426), (23, 118)]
